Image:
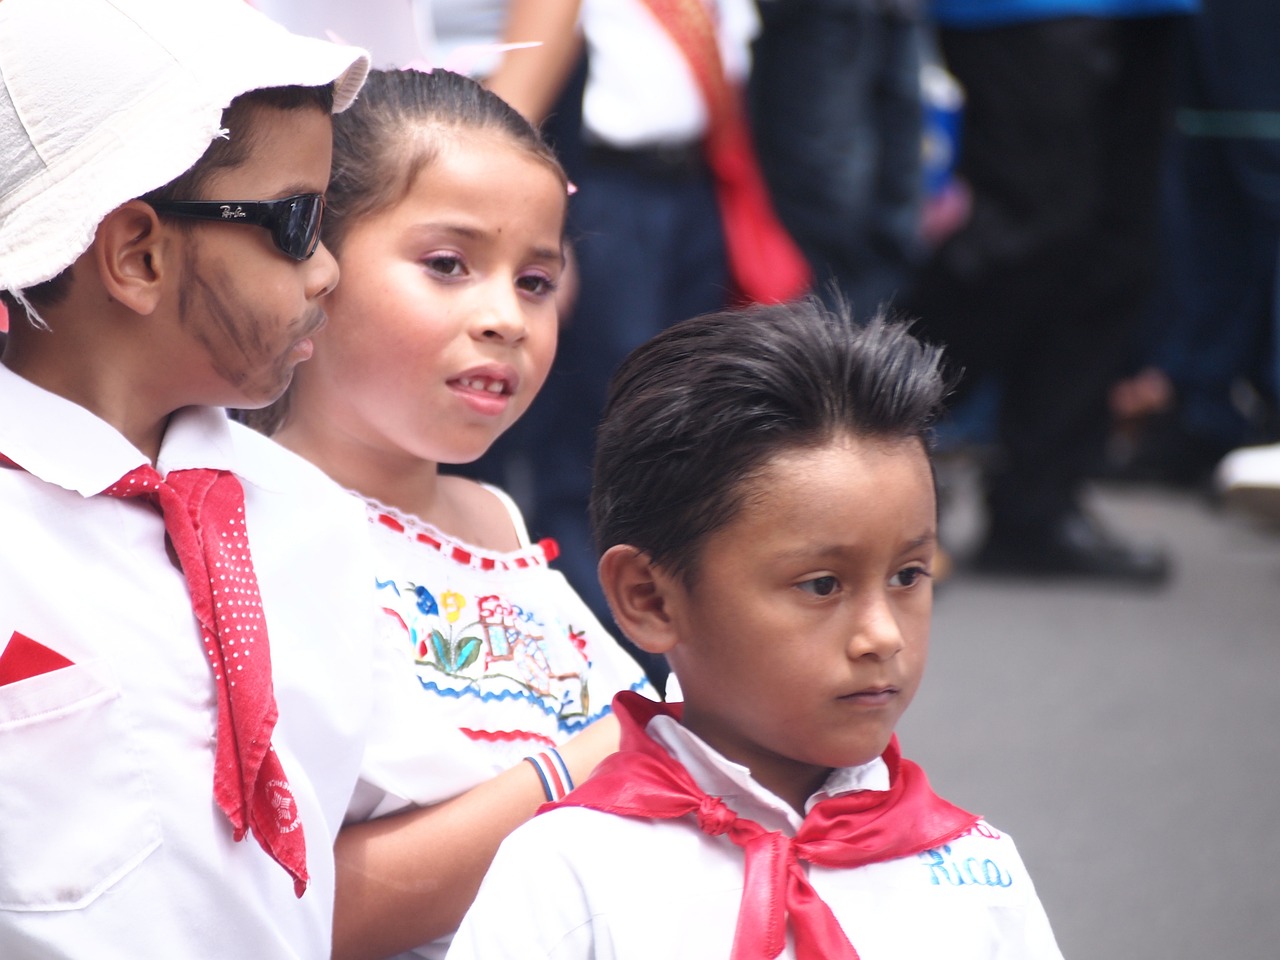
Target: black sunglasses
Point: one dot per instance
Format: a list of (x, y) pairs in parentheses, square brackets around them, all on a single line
[(294, 222)]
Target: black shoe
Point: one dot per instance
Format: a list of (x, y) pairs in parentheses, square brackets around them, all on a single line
[(1073, 546)]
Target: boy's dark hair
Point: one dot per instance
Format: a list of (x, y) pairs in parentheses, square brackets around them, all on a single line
[(223, 153), (699, 410), (392, 132)]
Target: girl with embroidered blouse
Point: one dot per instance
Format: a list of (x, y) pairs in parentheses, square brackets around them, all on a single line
[(446, 211), (766, 508)]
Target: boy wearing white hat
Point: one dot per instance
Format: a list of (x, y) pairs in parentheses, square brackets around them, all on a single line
[(189, 690)]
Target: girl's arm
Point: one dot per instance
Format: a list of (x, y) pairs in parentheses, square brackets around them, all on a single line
[(407, 879), (531, 79)]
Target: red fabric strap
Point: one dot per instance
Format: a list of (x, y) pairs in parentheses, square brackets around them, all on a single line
[(204, 518), (853, 830), (766, 264)]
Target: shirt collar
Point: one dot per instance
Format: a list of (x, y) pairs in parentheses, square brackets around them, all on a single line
[(718, 776), (65, 444)]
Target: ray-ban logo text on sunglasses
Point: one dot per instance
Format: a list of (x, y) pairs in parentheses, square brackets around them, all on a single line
[(294, 222)]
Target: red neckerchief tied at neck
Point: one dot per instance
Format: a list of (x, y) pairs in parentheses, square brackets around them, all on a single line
[(851, 830)]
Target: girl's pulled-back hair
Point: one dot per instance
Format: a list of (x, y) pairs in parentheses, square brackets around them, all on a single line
[(702, 407), (391, 133), (395, 129)]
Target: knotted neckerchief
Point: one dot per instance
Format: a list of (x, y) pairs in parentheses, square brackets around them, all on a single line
[(850, 830), (204, 517)]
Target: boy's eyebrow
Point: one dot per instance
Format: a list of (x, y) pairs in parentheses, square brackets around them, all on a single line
[(288, 190), (297, 187), (833, 549), (924, 540)]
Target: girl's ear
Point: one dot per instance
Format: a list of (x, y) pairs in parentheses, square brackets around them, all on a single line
[(133, 253), (639, 596)]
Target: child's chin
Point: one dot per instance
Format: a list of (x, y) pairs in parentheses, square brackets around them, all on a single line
[(857, 757)]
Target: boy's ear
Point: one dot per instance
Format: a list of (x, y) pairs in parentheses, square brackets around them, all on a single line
[(639, 596), (134, 254)]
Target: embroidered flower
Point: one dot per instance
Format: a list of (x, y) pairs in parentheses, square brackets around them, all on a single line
[(453, 604)]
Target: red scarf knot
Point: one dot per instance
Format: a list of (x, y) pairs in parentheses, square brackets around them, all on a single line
[(851, 830), (714, 817)]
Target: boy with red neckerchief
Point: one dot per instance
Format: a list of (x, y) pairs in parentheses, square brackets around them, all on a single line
[(192, 701), (766, 510)]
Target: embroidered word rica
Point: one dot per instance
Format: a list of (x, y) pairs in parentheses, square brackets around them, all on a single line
[(971, 871)]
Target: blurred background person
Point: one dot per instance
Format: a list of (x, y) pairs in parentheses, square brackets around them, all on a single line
[(1208, 381), (835, 95), (1066, 107), (665, 162)]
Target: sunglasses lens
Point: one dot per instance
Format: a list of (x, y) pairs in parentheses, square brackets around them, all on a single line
[(297, 232)]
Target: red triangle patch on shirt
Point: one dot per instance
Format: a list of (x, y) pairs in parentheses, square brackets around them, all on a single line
[(24, 658)]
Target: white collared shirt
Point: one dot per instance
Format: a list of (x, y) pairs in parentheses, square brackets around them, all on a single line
[(579, 883), (110, 842)]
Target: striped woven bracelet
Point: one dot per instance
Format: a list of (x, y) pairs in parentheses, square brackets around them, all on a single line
[(553, 773)]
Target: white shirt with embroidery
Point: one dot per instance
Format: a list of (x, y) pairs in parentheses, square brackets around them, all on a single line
[(501, 643), (579, 883)]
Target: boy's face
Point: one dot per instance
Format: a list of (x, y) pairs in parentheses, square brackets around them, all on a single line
[(803, 637), (248, 311)]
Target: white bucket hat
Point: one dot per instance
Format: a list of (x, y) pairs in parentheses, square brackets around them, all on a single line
[(102, 101)]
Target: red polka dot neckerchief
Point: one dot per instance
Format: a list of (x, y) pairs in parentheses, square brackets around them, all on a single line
[(204, 518)]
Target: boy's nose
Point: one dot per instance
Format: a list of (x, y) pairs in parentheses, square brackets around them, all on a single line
[(876, 633), (322, 273)]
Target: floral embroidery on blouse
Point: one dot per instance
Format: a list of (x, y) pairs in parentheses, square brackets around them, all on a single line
[(497, 627)]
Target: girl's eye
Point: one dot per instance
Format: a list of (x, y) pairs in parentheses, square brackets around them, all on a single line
[(909, 576), (444, 264), (537, 284), (820, 586)]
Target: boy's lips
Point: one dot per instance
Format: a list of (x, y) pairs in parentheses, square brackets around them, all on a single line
[(303, 347), (871, 696), (314, 324)]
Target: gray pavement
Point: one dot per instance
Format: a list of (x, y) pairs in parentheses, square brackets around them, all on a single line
[(1129, 740)]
